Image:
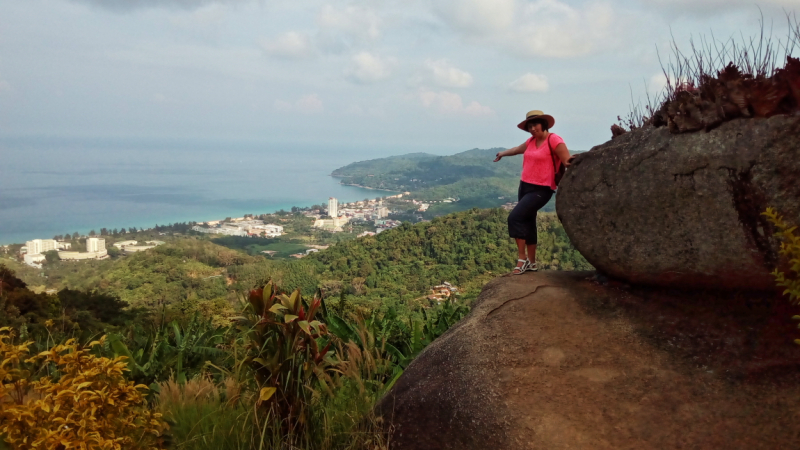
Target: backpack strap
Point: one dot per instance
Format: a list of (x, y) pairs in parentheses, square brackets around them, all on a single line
[(552, 154)]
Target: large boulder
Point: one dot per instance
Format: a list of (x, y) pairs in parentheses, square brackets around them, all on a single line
[(684, 210), (554, 360)]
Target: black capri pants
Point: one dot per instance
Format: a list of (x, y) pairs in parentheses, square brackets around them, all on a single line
[(522, 220)]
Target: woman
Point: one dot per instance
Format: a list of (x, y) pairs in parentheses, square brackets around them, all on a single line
[(543, 154)]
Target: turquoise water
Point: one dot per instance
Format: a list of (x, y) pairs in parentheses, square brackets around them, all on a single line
[(57, 186)]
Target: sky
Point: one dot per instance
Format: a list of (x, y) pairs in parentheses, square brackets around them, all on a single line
[(395, 76)]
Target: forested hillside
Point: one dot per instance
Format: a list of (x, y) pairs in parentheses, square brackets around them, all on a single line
[(418, 171), (458, 248), (465, 248)]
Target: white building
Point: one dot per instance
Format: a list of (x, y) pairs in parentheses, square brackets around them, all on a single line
[(34, 260), (333, 207), (226, 230), (95, 249), (76, 256), (95, 245), (39, 246), (269, 230), (336, 222), (122, 244), (140, 248)]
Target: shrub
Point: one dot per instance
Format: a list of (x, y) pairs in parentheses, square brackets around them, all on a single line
[(790, 248), (282, 351), (86, 402)]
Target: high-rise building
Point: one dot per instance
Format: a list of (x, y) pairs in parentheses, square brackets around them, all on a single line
[(381, 212), (38, 246), (333, 207), (95, 245)]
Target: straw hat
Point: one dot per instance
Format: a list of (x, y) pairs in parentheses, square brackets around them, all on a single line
[(536, 114)]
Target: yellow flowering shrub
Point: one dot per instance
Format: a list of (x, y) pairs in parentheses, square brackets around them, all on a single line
[(89, 405), (790, 249)]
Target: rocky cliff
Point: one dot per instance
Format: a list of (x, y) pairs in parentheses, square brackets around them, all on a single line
[(556, 360), (652, 207)]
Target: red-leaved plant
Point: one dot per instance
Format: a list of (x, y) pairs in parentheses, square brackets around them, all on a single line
[(289, 351)]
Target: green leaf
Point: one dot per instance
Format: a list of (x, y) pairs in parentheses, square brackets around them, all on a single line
[(276, 308), (288, 318), (262, 361)]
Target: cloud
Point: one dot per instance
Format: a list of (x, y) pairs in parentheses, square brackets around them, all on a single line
[(339, 29), (207, 16), (477, 17), (530, 82), (446, 75), (657, 83), (162, 99), (549, 28), (355, 21), (449, 103), (693, 8), (367, 68), (307, 104), (291, 45), (566, 31), (369, 111), (130, 5)]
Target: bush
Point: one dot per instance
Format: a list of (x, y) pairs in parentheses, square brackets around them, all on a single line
[(790, 248), (86, 402)]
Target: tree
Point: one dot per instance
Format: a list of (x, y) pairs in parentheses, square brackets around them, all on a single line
[(75, 235), (103, 231), (51, 257), (92, 233)]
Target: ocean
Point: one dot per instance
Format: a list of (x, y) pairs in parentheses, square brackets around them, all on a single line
[(52, 186)]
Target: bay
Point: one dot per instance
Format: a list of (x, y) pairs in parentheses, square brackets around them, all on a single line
[(51, 186)]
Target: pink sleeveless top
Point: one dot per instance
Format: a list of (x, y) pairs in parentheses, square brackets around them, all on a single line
[(537, 162)]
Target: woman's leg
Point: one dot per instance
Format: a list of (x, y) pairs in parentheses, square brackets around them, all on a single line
[(531, 252), (520, 251), (522, 221)]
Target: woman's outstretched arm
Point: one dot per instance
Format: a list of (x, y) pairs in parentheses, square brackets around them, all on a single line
[(518, 150)]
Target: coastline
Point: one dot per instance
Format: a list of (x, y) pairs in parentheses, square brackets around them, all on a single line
[(370, 188), (272, 210)]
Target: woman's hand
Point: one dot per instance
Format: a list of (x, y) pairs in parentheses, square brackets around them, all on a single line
[(518, 150), (570, 160)]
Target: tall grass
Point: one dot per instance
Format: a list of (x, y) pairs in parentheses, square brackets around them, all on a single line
[(755, 57), (205, 415)]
